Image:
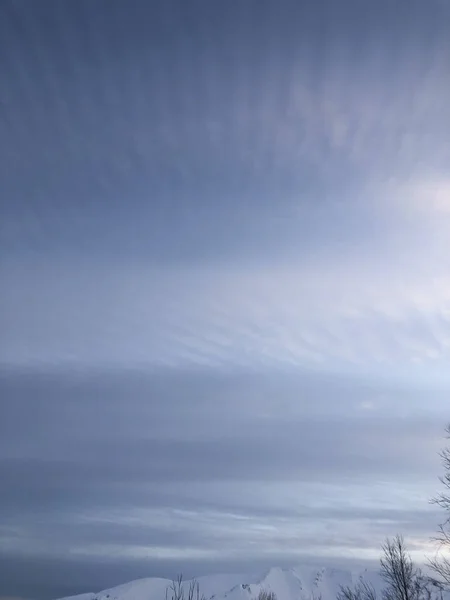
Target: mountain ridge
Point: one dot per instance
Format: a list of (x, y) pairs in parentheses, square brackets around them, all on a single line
[(294, 583)]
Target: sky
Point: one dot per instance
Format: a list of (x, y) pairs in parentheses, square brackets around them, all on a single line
[(225, 285)]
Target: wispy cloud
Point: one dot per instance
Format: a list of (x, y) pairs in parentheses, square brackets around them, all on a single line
[(225, 299), (193, 471), (304, 315)]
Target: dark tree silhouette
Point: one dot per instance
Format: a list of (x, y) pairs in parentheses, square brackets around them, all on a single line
[(403, 580), (441, 564)]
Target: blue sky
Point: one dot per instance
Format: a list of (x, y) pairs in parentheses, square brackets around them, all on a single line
[(225, 299)]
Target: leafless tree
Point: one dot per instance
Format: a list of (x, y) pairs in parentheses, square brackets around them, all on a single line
[(441, 564), (403, 580), (177, 590), (361, 591), (267, 595)]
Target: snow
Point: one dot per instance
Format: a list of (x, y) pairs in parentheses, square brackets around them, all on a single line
[(300, 583)]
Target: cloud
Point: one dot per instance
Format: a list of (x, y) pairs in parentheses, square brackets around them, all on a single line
[(225, 313), (262, 467), (320, 315), (299, 212)]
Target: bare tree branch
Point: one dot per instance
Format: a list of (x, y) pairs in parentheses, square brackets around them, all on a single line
[(177, 590), (441, 564), (361, 591), (266, 595), (402, 578), (404, 581)]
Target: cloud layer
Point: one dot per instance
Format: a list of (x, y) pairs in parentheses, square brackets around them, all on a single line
[(195, 469), (225, 299)]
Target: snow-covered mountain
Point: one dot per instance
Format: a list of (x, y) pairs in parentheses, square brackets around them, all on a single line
[(301, 583)]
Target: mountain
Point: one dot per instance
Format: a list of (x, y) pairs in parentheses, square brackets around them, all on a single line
[(301, 583)]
